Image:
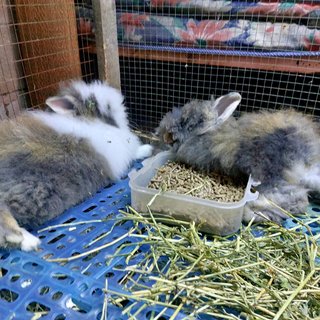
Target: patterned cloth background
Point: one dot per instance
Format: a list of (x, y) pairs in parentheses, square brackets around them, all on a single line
[(273, 8), (164, 30), (180, 30)]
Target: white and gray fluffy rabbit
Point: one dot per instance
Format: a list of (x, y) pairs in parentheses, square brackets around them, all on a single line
[(50, 161), (281, 150)]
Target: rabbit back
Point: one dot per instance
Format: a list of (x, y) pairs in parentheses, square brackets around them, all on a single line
[(51, 161), (43, 173), (117, 145), (263, 144), (279, 149), (269, 143)]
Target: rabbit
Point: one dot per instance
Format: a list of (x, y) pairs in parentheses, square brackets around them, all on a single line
[(51, 161), (280, 149)]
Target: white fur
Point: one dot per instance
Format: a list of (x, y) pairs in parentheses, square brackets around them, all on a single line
[(118, 146), (116, 143), (14, 237), (29, 242), (308, 176), (106, 96), (144, 151), (25, 240)]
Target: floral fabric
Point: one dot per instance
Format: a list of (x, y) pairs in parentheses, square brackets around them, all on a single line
[(271, 8), (164, 30), (148, 28)]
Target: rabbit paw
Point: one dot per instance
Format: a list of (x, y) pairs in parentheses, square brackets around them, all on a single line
[(21, 238), (144, 151), (29, 241), (12, 235), (261, 210), (261, 215)]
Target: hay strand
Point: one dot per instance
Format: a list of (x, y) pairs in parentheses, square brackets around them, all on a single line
[(272, 275)]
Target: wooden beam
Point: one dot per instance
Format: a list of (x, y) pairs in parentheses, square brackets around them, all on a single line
[(49, 45), (10, 84), (294, 64), (106, 41)]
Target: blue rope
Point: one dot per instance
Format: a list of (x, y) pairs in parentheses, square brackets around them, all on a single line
[(284, 54)]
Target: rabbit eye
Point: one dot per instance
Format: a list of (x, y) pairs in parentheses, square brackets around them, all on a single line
[(168, 138), (91, 105)]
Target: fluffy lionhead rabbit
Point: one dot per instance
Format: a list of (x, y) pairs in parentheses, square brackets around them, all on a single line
[(50, 161), (279, 149)]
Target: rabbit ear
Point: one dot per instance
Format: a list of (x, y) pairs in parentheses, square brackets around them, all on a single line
[(61, 105), (226, 105)]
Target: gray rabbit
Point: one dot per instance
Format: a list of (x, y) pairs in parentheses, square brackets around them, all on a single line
[(279, 149), (50, 161)]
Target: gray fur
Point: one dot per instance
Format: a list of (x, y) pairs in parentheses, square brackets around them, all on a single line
[(268, 156), (49, 163), (268, 145), (37, 189)]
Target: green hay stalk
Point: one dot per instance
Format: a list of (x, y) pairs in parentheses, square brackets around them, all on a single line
[(273, 276)]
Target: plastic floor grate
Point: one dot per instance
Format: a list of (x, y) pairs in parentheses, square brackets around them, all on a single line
[(30, 285)]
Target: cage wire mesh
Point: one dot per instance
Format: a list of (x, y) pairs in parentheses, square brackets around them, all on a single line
[(170, 52), (174, 51), (41, 45)]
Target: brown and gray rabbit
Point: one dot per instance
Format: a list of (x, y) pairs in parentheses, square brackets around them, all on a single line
[(279, 149), (50, 161)]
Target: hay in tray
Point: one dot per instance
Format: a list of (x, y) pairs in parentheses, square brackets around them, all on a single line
[(182, 179)]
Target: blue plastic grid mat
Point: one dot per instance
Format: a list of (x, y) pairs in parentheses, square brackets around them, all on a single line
[(30, 285)]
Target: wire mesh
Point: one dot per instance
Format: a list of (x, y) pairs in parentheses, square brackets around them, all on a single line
[(174, 51), (170, 51), (41, 44)]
